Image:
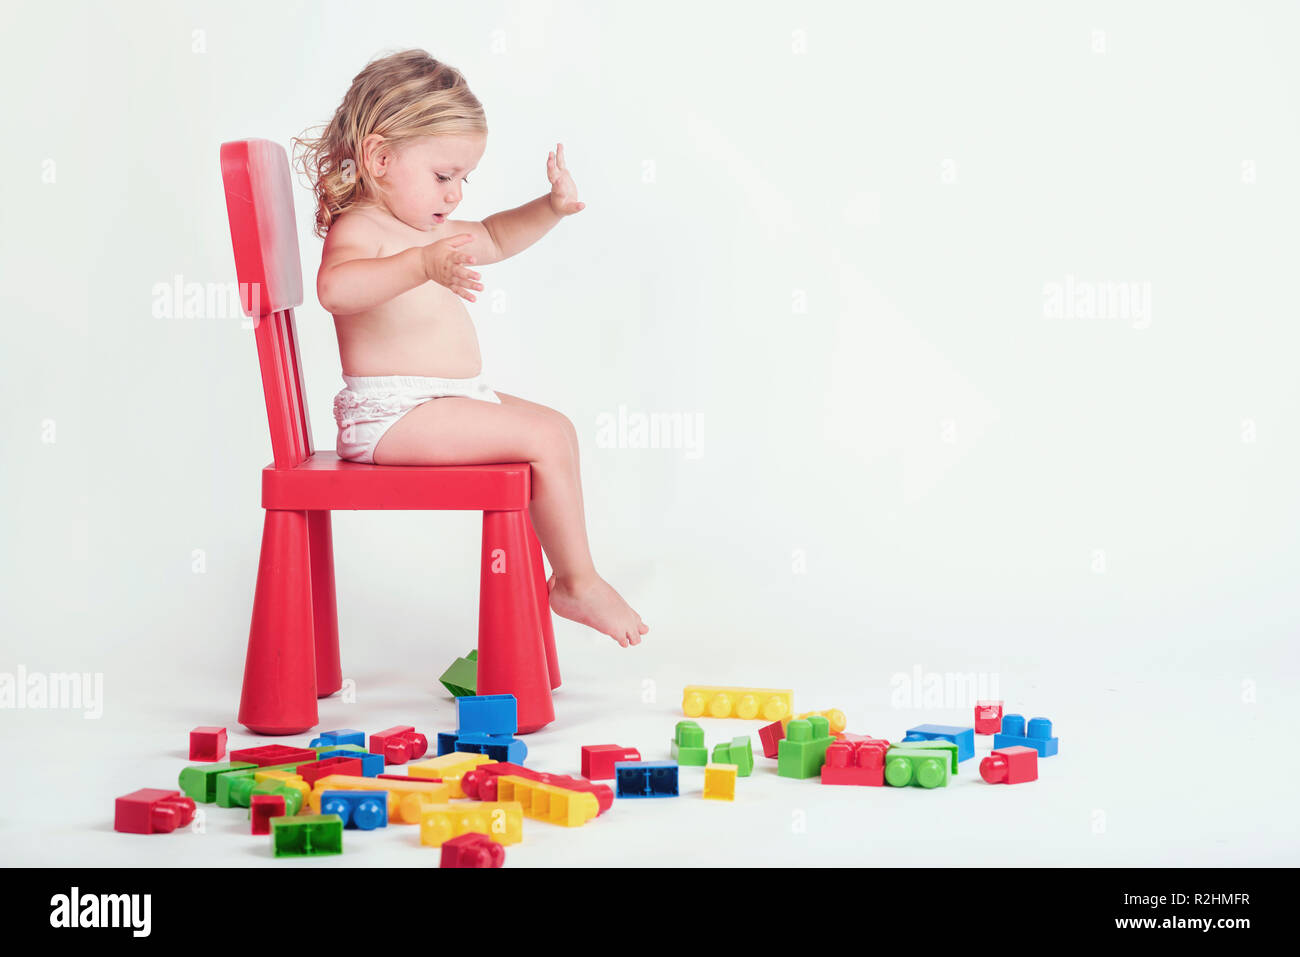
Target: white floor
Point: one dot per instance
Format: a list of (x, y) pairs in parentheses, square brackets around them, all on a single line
[(1161, 771)]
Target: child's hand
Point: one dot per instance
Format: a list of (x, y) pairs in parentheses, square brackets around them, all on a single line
[(445, 265), (564, 194)]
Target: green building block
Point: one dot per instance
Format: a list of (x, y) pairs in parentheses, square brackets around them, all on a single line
[(200, 781), (339, 747), (688, 745), (235, 788), (292, 796), (740, 752), (461, 679), (915, 767), (802, 752), (935, 745), (307, 835)]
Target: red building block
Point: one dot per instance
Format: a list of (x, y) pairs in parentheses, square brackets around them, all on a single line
[(988, 717), (311, 773), (1013, 765), (263, 808), (480, 783), (207, 744), (407, 777), (598, 760), (472, 850), (269, 754), (399, 744), (152, 811), (857, 762), (770, 735)]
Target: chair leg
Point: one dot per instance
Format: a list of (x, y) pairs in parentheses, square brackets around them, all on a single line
[(544, 606), (279, 695), (325, 612), (511, 650)]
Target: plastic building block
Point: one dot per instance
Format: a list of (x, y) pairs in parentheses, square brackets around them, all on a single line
[(449, 768), (235, 788), (200, 783), (834, 717), (487, 714), (1038, 735), (598, 760), (688, 748), (917, 767), (481, 783), (501, 821), (364, 810), (461, 679), (371, 764), (152, 811), (770, 736), (269, 754), (207, 744), (446, 742), (988, 717), (936, 744), (348, 750), (407, 797), (646, 779), (314, 771), (547, 802), (498, 747), (399, 744), (307, 835), (855, 762), (472, 850), (263, 808), (802, 752), (1015, 764), (766, 703), (720, 782), (964, 738), (739, 751), (341, 736)]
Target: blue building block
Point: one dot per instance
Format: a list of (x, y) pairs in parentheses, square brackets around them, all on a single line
[(1039, 736), (964, 738), (363, 810), (446, 742), (488, 714), (498, 747), (372, 765), (646, 779), (344, 736)]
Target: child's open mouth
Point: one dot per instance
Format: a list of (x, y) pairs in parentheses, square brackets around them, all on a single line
[(439, 217)]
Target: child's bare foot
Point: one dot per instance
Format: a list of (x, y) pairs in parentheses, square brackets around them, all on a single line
[(592, 602)]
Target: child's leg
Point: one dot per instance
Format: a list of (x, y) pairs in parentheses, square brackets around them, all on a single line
[(461, 431)]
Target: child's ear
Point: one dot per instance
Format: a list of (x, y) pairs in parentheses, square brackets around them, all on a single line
[(375, 154)]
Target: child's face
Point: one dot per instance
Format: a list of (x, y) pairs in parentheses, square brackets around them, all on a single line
[(422, 178)]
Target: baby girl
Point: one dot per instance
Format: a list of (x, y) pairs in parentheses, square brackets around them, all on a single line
[(388, 172)]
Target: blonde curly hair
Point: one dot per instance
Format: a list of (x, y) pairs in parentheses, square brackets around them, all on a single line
[(400, 96)]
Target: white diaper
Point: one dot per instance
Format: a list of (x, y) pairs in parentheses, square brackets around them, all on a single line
[(369, 405)]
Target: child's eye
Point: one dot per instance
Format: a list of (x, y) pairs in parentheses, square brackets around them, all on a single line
[(443, 179)]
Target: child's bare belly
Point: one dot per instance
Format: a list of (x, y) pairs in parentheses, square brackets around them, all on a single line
[(425, 331)]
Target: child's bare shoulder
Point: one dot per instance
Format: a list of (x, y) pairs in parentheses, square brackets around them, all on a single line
[(355, 234)]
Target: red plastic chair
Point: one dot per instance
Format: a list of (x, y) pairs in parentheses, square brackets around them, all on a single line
[(293, 646)]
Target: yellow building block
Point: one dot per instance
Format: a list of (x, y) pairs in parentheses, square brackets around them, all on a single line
[(449, 767), (720, 781), (406, 799), (834, 717), (502, 821), (769, 704), (287, 779), (547, 802)]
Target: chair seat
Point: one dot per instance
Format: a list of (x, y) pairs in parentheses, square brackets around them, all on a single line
[(324, 481)]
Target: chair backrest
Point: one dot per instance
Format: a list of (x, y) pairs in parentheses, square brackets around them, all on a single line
[(259, 203)]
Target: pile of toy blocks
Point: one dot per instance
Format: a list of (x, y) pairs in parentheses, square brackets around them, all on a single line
[(470, 799)]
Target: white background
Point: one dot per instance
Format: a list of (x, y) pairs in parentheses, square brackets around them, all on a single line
[(829, 232)]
